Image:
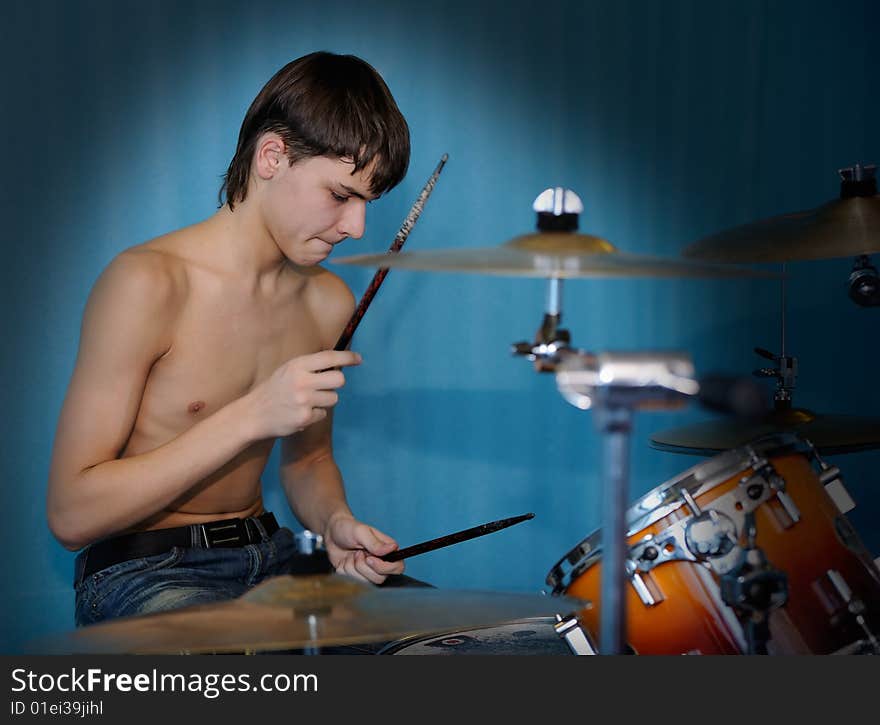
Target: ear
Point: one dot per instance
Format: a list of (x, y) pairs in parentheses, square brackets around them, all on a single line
[(269, 156)]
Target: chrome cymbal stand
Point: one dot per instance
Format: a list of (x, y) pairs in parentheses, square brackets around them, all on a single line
[(785, 370), (558, 210), (616, 385)]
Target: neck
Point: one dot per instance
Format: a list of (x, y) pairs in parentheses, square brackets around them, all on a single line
[(242, 243)]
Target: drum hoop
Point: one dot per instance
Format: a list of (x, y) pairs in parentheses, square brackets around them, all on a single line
[(666, 498)]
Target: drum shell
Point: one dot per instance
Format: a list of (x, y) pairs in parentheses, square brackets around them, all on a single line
[(692, 618)]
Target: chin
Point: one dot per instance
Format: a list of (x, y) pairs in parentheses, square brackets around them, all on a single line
[(307, 257), (308, 261)]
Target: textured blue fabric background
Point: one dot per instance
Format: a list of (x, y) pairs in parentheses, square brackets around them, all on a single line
[(672, 120)]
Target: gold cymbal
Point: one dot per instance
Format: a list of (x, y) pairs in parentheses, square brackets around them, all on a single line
[(548, 254), (840, 228), (296, 612), (828, 433)]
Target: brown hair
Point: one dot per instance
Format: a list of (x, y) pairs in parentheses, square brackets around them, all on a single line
[(325, 104)]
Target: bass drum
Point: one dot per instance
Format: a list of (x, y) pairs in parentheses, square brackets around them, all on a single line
[(687, 541)]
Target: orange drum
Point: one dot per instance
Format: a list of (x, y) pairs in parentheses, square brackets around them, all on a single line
[(689, 539)]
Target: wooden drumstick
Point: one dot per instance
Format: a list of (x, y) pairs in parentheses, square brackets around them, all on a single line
[(396, 245), (455, 538)]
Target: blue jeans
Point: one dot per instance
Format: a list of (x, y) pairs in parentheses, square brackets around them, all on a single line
[(180, 577)]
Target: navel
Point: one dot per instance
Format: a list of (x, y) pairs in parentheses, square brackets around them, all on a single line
[(196, 406)]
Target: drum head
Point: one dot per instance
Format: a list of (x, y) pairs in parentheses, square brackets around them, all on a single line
[(535, 636)]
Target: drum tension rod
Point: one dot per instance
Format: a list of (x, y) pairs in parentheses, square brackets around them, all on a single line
[(692, 504), (827, 472)]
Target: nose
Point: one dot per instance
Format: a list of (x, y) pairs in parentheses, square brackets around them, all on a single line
[(353, 220)]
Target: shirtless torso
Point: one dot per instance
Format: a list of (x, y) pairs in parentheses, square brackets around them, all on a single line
[(175, 334), (225, 339)]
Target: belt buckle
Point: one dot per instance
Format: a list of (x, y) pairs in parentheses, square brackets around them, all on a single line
[(229, 532)]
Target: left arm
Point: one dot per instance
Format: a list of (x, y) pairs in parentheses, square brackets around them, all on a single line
[(313, 486), (310, 477)]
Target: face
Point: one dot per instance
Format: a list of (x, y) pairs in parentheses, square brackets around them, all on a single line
[(314, 204)]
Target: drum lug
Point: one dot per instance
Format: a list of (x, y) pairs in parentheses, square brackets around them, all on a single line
[(827, 472), (831, 478), (649, 553), (790, 508), (764, 470), (645, 594), (569, 628)]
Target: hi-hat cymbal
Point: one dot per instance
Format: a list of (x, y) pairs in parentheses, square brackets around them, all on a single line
[(297, 612), (548, 254), (830, 434)]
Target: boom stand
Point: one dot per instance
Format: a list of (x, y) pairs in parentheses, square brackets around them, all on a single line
[(616, 385), (614, 423)]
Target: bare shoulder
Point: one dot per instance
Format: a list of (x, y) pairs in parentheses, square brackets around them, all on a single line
[(144, 266), (142, 288), (331, 303)]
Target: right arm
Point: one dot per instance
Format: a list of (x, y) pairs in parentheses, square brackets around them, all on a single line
[(125, 331), (93, 493)]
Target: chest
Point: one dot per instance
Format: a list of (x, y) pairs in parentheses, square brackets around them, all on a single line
[(222, 346)]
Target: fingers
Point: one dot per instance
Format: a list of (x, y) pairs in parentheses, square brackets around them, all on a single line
[(385, 568), (361, 566), (323, 399), (327, 380), (328, 359), (355, 565), (373, 540), (356, 547), (313, 406), (316, 415), (315, 391)]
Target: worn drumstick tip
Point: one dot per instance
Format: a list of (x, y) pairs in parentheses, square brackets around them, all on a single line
[(400, 238), (455, 538)]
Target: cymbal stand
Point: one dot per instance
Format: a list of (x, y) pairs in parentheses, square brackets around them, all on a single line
[(786, 367), (616, 385), (551, 341), (557, 210)]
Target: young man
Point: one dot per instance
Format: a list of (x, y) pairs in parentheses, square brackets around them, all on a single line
[(201, 347)]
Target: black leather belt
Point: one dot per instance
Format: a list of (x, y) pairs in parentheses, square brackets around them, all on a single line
[(212, 534)]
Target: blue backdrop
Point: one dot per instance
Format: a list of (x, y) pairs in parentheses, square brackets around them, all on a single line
[(672, 120)]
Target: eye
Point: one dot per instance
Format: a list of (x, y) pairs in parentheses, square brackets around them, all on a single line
[(338, 197)]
